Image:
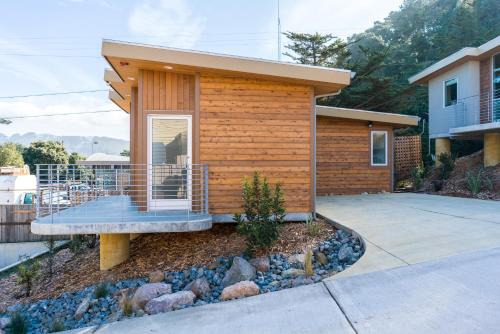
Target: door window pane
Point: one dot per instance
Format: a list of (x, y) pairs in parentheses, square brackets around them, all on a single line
[(379, 148), (450, 92), (169, 144)]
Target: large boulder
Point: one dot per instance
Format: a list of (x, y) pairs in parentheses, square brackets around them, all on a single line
[(168, 302), (262, 263), (292, 273), (240, 270), (156, 276), (147, 292), (200, 287), (82, 308), (321, 258), (240, 289), (345, 253)]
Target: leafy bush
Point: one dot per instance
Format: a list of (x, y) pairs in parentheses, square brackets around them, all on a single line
[(417, 176), (447, 164), (76, 245), (476, 181), (312, 227), (18, 324), (57, 326), (101, 290), (308, 264), (27, 272), (263, 213)]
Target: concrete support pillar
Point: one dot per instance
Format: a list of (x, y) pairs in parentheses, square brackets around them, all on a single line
[(443, 145), (114, 249), (134, 236), (491, 149)]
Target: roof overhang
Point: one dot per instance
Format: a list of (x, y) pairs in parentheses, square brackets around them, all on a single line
[(459, 57), (126, 59), (396, 120)]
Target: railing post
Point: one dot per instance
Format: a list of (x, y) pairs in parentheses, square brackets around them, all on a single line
[(38, 192), (205, 187)]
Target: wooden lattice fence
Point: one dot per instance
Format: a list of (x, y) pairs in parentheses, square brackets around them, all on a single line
[(407, 155)]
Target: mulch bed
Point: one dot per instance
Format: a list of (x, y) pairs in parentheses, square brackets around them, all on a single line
[(456, 184), (150, 252)]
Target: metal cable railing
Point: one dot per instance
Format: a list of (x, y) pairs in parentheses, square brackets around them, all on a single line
[(122, 192), (474, 110)]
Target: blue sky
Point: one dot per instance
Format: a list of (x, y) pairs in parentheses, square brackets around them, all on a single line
[(54, 46)]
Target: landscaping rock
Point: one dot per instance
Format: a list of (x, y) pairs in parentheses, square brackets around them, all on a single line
[(147, 292), (297, 259), (200, 287), (302, 280), (82, 308), (240, 289), (168, 302), (156, 276), (240, 270), (262, 263), (321, 258), (4, 322), (345, 253), (292, 273)]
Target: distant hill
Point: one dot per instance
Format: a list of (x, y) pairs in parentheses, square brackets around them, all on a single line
[(78, 144)]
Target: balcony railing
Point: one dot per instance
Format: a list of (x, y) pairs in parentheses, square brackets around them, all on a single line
[(122, 193), (475, 110)]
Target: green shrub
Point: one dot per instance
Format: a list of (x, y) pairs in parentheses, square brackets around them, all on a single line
[(263, 213), (101, 290), (18, 324), (447, 164), (312, 227), (57, 326), (417, 176), (477, 180), (27, 272), (76, 245)]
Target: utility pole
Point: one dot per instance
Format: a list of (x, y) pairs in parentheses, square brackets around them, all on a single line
[(279, 33)]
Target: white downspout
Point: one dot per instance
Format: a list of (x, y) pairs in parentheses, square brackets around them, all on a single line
[(316, 97)]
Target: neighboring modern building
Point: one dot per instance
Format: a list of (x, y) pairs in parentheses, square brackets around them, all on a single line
[(464, 98), (201, 122)]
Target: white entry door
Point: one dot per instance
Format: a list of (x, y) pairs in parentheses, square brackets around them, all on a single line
[(169, 162)]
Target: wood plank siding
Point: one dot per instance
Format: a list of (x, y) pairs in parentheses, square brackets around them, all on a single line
[(343, 158), (249, 125)]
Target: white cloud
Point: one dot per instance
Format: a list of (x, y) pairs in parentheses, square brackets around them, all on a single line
[(166, 22)]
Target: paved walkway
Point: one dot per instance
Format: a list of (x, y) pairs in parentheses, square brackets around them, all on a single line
[(402, 229)]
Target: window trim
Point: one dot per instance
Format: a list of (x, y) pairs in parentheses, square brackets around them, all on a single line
[(444, 91), (386, 133), (493, 78)]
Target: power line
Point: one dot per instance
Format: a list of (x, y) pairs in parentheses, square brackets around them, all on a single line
[(56, 93), (62, 114)]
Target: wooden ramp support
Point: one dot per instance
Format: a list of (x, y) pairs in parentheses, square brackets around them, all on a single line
[(443, 145), (114, 249), (491, 149)]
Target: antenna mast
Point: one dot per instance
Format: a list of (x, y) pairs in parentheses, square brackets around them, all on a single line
[(279, 32)]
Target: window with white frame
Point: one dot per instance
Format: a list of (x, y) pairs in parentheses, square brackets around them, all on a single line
[(450, 92), (379, 148)]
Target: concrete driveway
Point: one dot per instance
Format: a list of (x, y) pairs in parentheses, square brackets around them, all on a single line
[(403, 229)]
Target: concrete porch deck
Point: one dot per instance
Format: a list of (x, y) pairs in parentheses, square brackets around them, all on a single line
[(118, 214)]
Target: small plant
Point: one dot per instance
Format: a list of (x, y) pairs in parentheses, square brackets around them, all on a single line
[(27, 272), (127, 307), (18, 324), (417, 176), (263, 213), (101, 290), (447, 164), (91, 240), (57, 326), (312, 227), (51, 247), (476, 181), (76, 245), (308, 264)]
